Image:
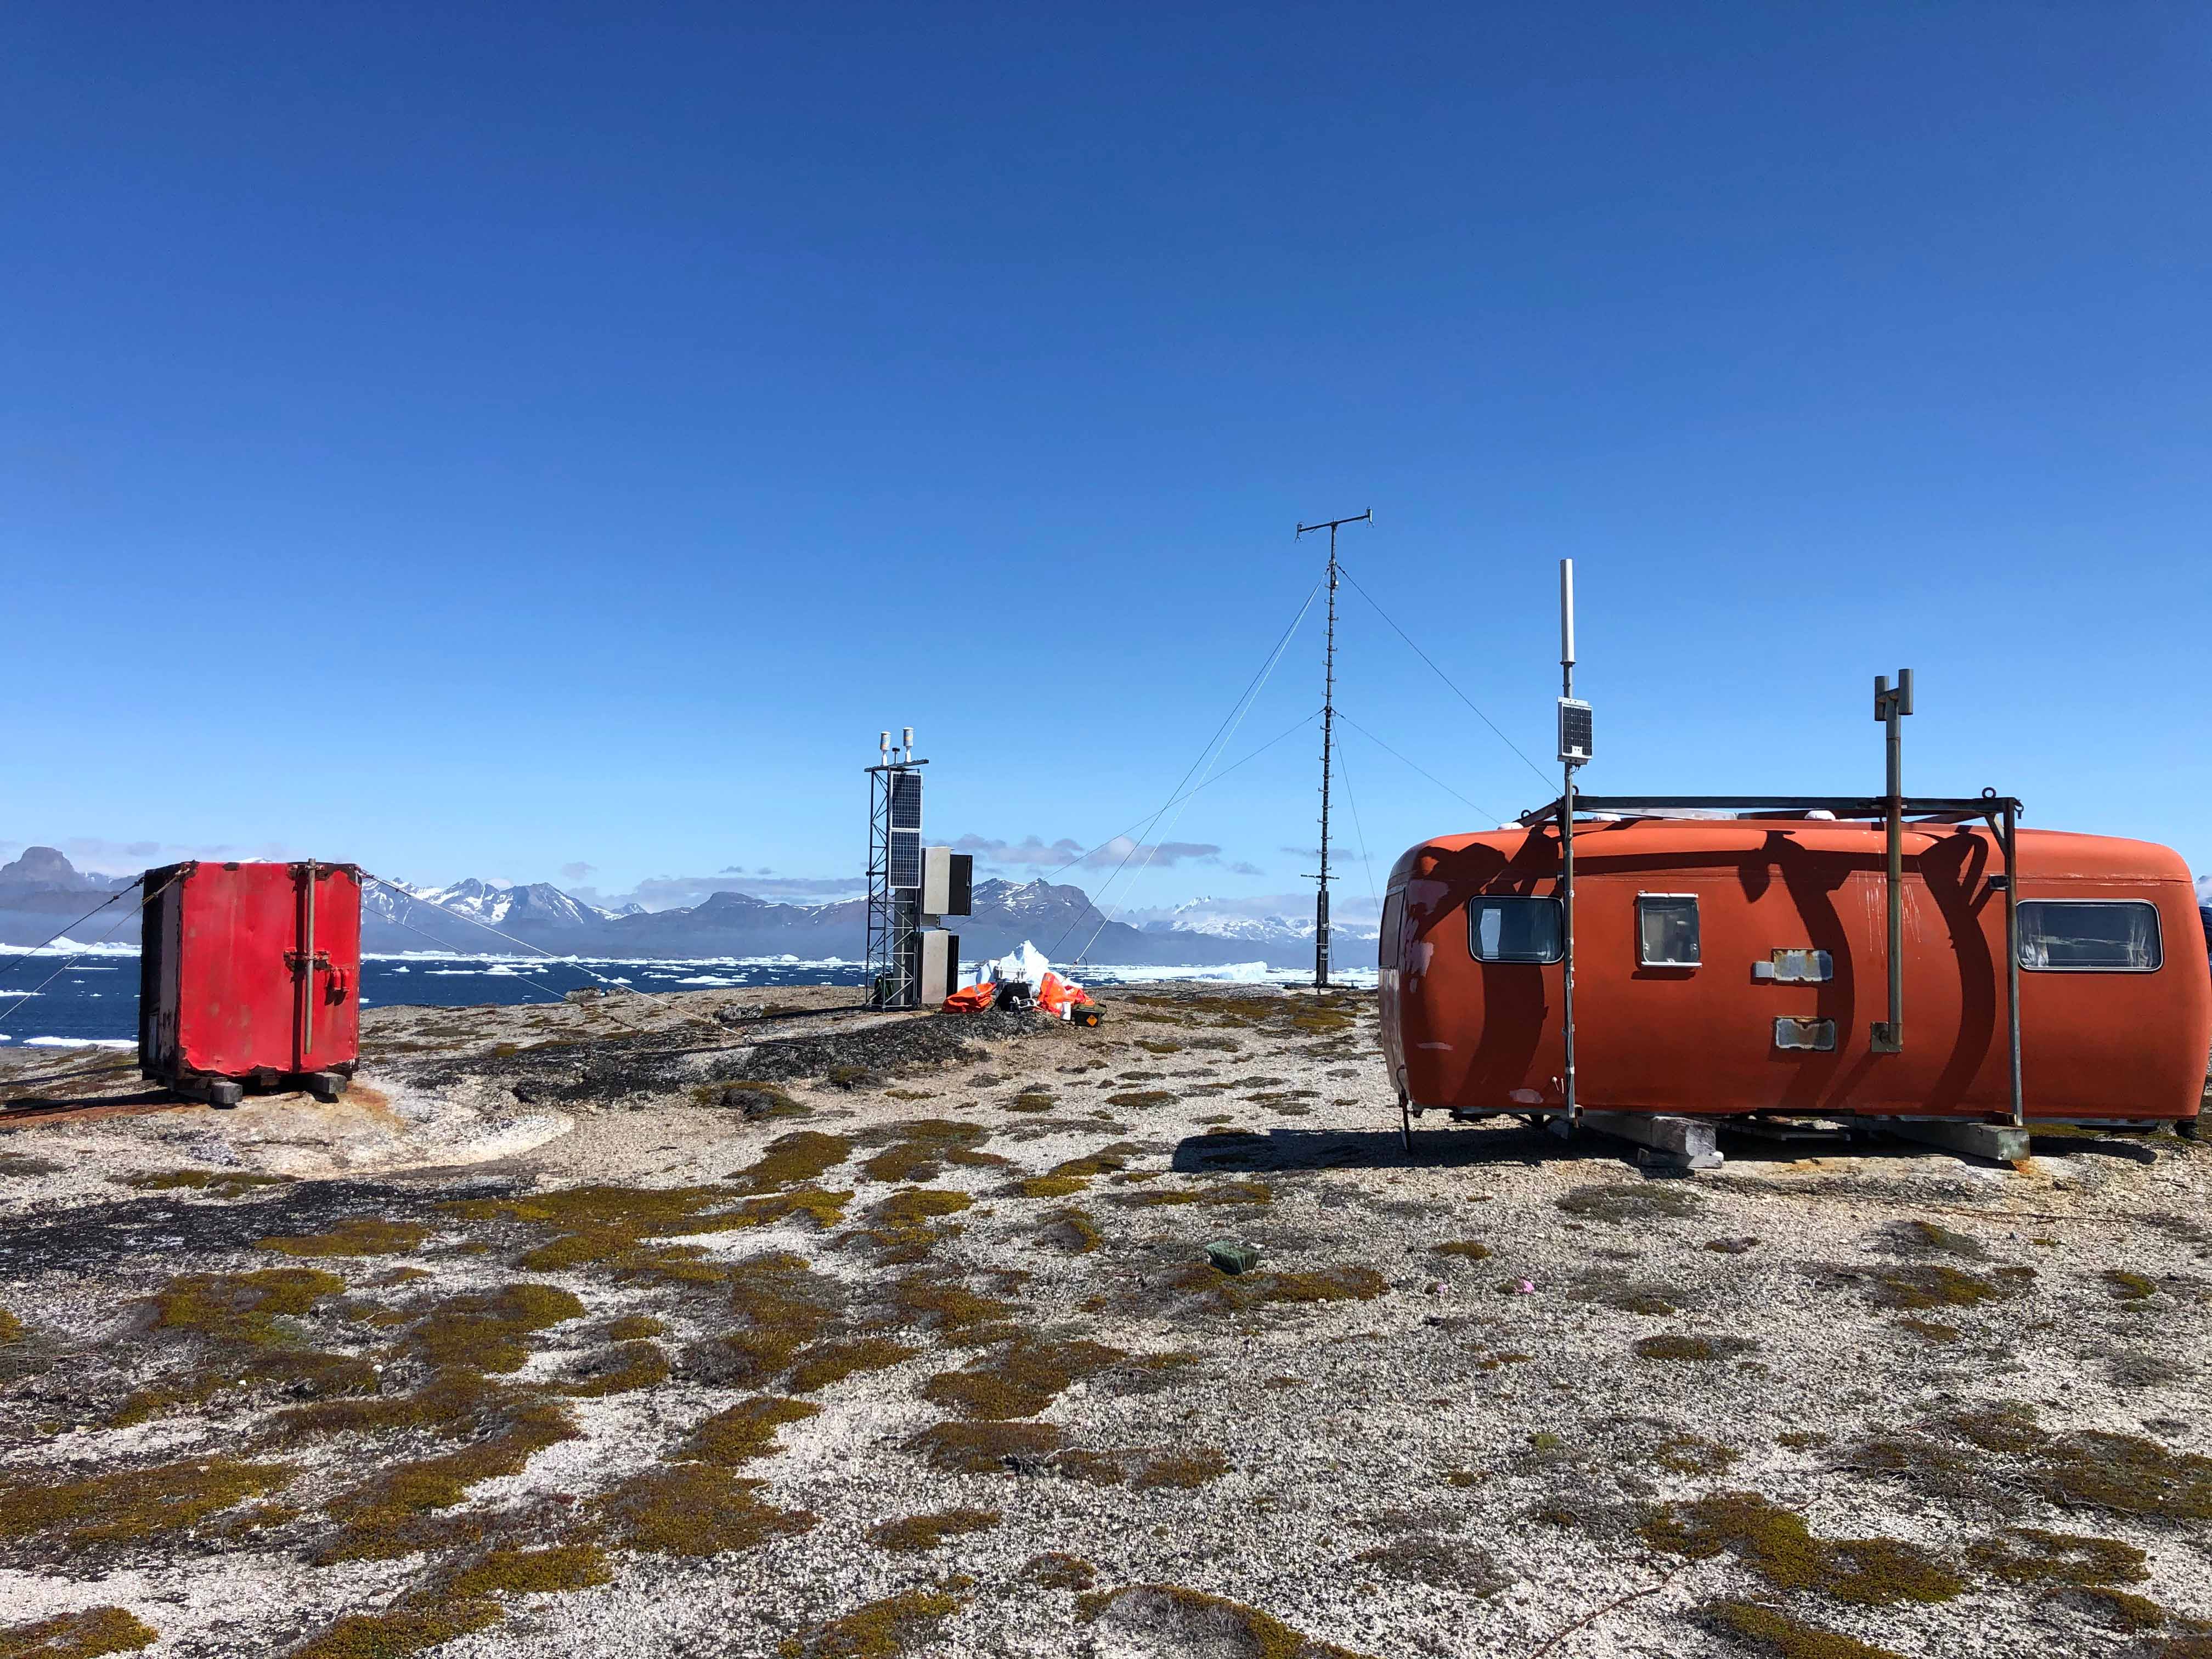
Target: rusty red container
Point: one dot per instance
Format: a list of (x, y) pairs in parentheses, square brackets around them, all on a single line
[(249, 973)]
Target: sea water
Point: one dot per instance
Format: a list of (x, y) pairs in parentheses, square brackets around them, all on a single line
[(92, 997)]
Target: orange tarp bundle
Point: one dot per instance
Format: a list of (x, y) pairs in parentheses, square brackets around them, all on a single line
[(973, 998), (1056, 996)]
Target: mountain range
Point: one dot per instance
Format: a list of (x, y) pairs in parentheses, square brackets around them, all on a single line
[(42, 893)]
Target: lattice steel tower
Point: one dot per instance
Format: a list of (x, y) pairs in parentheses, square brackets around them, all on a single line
[(894, 873)]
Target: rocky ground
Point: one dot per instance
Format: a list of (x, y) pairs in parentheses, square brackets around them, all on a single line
[(691, 1327)]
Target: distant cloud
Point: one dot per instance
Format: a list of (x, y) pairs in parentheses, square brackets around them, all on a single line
[(1031, 853), (122, 858), (1244, 870), (577, 871)]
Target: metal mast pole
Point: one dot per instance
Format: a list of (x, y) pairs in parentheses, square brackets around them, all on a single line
[(1328, 743), (1890, 707), (1567, 846)]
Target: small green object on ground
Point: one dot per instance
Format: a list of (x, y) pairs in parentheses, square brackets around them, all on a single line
[(1232, 1257)]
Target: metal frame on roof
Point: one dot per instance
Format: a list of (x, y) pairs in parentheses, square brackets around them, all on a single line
[(2001, 813)]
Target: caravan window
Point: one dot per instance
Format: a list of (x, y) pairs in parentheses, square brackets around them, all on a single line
[(1666, 930), (1393, 916), (1514, 929), (2109, 936)]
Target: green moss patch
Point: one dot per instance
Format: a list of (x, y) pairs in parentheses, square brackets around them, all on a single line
[(1649, 1200), (242, 1308), (366, 1235), (920, 1150), (1776, 1544), (408, 1628), (529, 1572), (623, 1368), (1020, 1380), (1070, 1229), (1148, 1468), (597, 1224), (84, 1635), (793, 1160), (785, 1305), (1935, 1285), (130, 1506), (1776, 1633), (959, 1315), (984, 1447), (901, 1624), (1189, 1618), (744, 1431), (818, 1367), (917, 1533), (381, 1518), (1228, 1293), (216, 1183), (694, 1510), (1467, 1249), (2027, 1555), (1058, 1570), (2005, 1451), (1929, 1237), (2127, 1286), (295, 1372), (488, 1330), (1677, 1345), (759, 1101)]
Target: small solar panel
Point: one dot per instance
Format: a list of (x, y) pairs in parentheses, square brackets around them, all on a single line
[(1574, 730), (906, 858), (906, 800)]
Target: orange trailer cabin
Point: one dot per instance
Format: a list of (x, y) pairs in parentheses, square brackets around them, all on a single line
[(1737, 965)]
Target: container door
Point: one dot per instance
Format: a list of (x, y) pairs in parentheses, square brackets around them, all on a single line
[(234, 996), (326, 968)]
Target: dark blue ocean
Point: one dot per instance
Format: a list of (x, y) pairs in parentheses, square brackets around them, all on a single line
[(96, 999)]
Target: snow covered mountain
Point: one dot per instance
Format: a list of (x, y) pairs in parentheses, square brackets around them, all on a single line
[(1233, 918), (539, 902), (41, 891)]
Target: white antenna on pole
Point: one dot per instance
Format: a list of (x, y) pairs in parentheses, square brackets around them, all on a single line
[(1567, 617)]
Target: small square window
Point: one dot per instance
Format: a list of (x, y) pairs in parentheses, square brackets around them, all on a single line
[(2090, 936), (1515, 930), (1666, 930)]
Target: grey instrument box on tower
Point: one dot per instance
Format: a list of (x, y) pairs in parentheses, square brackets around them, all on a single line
[(948, 882)]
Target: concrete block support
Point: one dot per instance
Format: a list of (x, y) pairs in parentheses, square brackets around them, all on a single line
[(1692, 1142), (1999, 1142)]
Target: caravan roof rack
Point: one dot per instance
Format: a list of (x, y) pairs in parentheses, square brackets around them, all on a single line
[(1932, 809)]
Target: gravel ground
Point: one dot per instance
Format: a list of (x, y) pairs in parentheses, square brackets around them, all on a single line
[(699, 1326)]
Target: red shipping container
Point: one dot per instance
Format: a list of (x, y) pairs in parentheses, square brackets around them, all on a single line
[(249, 973)]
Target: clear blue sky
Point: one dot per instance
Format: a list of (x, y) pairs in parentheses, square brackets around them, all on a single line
[(502, 441)]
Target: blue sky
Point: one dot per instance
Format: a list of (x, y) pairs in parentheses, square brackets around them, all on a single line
[(550, 444)]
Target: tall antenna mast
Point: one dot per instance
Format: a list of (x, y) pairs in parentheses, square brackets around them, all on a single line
[(1328, 739)]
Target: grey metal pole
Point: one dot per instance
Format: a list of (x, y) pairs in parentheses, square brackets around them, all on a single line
[(1567, 846), (1328, 741), (2012, 953), (1890, 708)]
